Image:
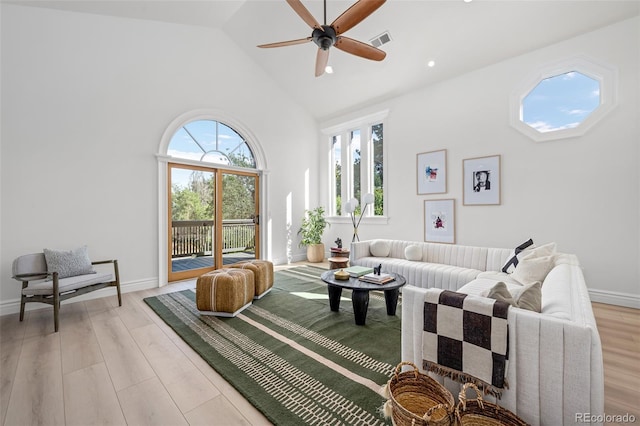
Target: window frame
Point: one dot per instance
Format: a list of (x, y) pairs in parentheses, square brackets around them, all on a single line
[(344, 131), (606, 75)]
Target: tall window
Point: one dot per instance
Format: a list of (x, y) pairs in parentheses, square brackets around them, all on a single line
[(357, 164), (336, 161)]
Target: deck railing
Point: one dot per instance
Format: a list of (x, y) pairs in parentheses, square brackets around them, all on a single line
[(195, 237)]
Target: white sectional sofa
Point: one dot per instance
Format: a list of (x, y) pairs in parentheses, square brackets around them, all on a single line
[(555, 369)]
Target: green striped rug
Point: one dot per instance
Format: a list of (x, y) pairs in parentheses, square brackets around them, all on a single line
[(290, 356)]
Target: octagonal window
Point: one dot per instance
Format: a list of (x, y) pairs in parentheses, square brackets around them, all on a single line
[(561, 102), (564, 99)]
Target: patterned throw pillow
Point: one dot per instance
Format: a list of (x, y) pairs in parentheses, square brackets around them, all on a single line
[(518, 253), (69, 263)]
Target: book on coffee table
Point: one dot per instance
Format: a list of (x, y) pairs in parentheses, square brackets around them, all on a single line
[(358, 271), (377, 279)]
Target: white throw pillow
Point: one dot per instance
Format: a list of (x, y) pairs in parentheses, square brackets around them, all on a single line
[(545, 250), (413, 253), (532, 268), (380, 248)]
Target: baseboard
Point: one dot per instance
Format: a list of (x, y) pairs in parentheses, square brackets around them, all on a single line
[(285, 261), (615, 298), (13, 306)]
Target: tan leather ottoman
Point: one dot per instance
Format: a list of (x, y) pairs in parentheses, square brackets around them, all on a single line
[(225, 292), (263, 273)]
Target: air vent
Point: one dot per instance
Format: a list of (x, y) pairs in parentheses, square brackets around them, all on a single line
[(383, 38)]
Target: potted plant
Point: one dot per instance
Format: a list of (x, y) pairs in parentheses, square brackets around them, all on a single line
[(311, 229)]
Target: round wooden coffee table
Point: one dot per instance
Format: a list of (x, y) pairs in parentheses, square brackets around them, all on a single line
[(360, 294)]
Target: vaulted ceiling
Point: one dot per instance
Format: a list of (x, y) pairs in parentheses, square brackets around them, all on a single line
[(458, 36)]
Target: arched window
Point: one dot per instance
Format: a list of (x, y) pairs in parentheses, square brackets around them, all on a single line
[(564, 99), (211, 141)]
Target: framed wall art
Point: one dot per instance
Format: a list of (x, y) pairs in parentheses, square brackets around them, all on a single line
[(431, 172), (439, 221), (481, 181)]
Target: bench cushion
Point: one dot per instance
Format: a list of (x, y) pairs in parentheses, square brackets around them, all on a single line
[(67, 284)]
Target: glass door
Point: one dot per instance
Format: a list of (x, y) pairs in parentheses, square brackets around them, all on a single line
[(198, 240), (192, 207), (240, 217)]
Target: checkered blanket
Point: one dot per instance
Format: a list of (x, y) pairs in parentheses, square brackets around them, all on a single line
[(466, 338)]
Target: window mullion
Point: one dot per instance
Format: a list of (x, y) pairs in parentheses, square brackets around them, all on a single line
[(346, 187), (365, 164)]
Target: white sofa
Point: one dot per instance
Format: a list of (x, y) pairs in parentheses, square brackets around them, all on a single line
[(555, 369)]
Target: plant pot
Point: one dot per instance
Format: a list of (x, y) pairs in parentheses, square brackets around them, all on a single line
[(315, 253)]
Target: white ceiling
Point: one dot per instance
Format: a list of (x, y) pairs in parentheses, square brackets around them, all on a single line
[(458, 36)]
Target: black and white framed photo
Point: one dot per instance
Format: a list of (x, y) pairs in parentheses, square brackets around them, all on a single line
[(481, 177), (431, 171), (439, 221)]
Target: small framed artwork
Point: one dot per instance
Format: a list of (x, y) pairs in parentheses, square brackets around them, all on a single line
[(439, 221), (481, 177), (431, 171)]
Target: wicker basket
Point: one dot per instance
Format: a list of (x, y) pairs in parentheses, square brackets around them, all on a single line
[(481, 413), (416, 399)]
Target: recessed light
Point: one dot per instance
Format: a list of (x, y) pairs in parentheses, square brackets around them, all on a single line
[(328, 69), (431, 63)]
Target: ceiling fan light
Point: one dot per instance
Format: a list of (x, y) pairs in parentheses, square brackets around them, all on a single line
[(328, 69)]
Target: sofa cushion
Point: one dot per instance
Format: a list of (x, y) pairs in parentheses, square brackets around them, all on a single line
[(69, 263), (481, 287), (413, 253), (380, 248), (499, 276)]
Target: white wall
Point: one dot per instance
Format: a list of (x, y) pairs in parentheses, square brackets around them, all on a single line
[(85, 101), (582, 193)]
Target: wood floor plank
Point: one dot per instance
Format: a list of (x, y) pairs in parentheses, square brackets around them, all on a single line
[(126, 363), (9, 356), (80, 348), (36, 397), (218, 411), (149, 403), (11, 328), (185, 383), (131, 314), (90, 399)]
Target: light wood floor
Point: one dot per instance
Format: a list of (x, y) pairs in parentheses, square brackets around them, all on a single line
[(123, 365)]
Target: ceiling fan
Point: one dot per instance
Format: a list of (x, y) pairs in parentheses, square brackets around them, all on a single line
[(326, 36)]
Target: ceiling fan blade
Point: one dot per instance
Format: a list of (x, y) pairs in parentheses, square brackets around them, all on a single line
[(355, 14), (287, 43), (359, 48), (304, 13), (321, 61)]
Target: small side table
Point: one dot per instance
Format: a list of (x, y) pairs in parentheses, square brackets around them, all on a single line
[(339, 252), (338, 262)]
